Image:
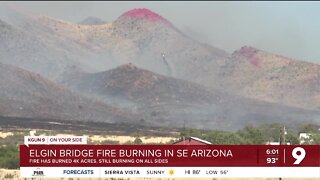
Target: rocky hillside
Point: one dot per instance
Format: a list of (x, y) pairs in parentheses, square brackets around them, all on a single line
[(28, 95), (161, 99), (142, 87), (257, 74), (139, 36), (175, 79)]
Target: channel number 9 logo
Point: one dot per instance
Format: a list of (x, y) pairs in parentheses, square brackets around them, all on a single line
[(299, 154)]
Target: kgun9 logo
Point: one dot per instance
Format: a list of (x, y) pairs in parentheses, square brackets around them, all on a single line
[(299, 154)]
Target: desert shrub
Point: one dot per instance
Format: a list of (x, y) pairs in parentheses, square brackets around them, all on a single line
[(9, 157)]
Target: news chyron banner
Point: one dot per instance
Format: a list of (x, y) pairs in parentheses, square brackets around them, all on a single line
[(46, 158)]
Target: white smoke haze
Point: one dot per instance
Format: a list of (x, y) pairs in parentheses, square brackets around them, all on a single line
[(285, 28), (179, 67)]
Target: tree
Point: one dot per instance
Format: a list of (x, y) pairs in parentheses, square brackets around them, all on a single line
[(271, 131), (313, 132), (309, 128), (137, 140), (191, 132), (292, 138), (252, 135), (220, 137)]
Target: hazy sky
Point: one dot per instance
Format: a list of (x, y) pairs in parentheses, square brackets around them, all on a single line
[(288, 28)]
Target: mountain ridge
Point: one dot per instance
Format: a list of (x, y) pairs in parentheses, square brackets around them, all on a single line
[(161, 98), (28, 95), (172, 76)]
